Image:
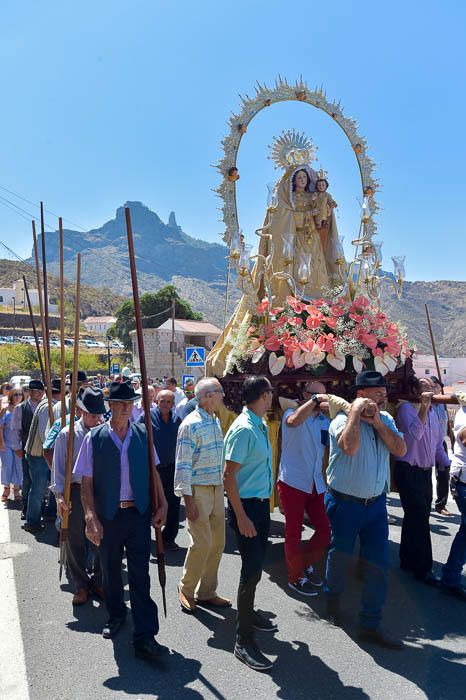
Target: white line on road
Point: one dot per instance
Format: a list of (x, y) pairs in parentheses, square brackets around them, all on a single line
[(13, 677)]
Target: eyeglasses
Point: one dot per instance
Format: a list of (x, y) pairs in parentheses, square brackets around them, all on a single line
[(18, 394), (217, 391)]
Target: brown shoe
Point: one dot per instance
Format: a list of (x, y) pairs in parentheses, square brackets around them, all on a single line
[(80, 597), (217, 602), (444, 511), (188, 604)]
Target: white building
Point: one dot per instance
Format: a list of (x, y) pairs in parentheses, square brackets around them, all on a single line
[(16, 296), (157, 345), (98, 324), (452, 369)]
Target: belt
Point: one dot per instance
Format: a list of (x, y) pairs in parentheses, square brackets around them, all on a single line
[(261, 500), (354, 499), (127, 504)]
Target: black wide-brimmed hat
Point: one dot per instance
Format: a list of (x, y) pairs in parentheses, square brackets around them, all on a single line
[(55, 386), (369, 379), (91, 401), (82, 377), (122, 391), (36, 384)]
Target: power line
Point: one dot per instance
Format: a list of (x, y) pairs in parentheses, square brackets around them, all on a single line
[(34, 204)]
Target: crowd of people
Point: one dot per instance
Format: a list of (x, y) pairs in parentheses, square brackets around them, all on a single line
[(334, 471)]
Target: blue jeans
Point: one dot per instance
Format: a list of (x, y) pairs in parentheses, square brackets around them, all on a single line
[(39, 473), (349, 520), (451, 574)]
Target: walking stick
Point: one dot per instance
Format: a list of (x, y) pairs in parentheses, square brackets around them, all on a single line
[(48, 372), (69, 451), (44, 277), (146, 405), (62, 323), (34, 330), (437, 364)]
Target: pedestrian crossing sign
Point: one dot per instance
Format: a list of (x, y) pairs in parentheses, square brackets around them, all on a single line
[(195, 357)]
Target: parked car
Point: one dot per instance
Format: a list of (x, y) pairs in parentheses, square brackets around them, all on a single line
[(91, 344), (117, 344), (20, 379)]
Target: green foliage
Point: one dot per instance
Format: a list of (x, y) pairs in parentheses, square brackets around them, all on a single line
[(155, 310), (22, 359)]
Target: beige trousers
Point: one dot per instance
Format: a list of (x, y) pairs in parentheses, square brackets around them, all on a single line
[(207, 535)]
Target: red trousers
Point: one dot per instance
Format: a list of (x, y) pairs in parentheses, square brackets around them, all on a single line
[(299, 556)]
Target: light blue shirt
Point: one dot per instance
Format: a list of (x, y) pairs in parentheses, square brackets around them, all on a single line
[(247, 442), (367, 473), (303, 453), (199, 448)]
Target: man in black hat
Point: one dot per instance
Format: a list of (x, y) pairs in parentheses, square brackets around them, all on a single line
[(358, 480), (114, 465), (89, 408), (38, 467), (21, 424)]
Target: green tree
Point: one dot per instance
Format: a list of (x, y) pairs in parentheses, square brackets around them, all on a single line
[(156, 308)]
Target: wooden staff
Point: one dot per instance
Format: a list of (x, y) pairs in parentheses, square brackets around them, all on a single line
[(154, 496), (62, 323), (34, 330), (437, 364), (44, 277), (70, 447), (48, 373)]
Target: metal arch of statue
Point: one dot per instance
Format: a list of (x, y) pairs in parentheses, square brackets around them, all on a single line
[(265, 97)]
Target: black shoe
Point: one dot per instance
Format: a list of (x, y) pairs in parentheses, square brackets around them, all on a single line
[(303, 586), (380, 638), (23, 515), (112, 627), (33, 529), (458, 591), (261, 623), (249, 654), (171, 546), (430, 579), (150, 650), (333, 612)]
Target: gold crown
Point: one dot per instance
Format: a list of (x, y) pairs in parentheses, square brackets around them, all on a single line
[(291, 149), (322, 174)]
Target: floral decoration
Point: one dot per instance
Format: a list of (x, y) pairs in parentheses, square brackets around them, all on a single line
[(346, 335)]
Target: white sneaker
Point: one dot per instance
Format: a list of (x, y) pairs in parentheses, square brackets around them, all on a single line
[(303, 586)]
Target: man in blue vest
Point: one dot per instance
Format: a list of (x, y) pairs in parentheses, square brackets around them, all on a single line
[(114, 465)]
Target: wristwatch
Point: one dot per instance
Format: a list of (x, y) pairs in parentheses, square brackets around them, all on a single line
[(315, 398)]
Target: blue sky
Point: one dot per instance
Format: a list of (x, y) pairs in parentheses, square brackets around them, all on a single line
[(104, 102)]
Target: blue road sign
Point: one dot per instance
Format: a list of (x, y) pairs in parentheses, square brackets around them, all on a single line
[(185, 378), (115, 367), (195, 357)]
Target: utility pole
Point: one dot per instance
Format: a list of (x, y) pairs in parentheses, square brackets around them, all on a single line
[(173, 337), (109, 357), (14, 317)]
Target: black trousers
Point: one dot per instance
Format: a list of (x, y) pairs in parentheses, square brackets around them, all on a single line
[(415, 488), (129, 531), (443, 484), (167, 477), (26, 485), (79, 551), (252, 551)]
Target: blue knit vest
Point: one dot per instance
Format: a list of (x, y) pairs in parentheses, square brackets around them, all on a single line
[(106, 470)]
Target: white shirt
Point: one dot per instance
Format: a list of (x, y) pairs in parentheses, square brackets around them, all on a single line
[(303, 452), (179, 395), (458, 462)]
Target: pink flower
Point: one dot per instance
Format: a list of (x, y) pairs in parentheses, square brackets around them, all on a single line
[(251, 330), (272, 343), (295, 304), (377, 352), (369, 340), (330, 321), (262, 307), (337, 310), (281, 320), (275, 312), (361, 302), (295, 321), (356, 317), (312, 322)]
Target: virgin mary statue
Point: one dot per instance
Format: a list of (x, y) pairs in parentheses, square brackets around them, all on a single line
[(299, 250)]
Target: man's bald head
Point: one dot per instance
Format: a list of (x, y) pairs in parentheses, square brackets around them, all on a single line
[(165, 401)]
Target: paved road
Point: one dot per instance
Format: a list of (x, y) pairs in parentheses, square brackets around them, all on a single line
[(67, 659)]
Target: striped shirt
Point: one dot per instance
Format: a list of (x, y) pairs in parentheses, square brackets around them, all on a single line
[(199, 451)]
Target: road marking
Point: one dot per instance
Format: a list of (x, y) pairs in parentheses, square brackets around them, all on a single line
[(13, 678)]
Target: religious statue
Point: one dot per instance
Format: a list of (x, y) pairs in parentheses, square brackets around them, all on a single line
[(300, 229)]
